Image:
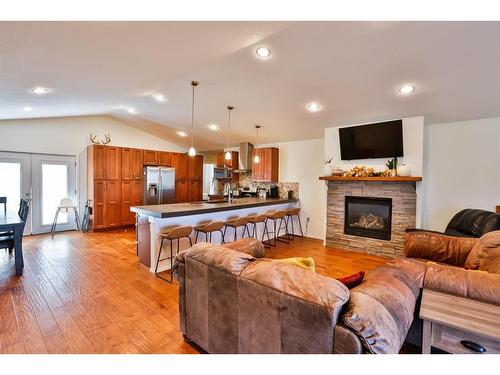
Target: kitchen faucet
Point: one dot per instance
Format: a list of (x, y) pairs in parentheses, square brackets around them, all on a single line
[(227, 186)]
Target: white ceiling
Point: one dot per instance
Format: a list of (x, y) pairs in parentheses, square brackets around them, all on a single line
[(353, 69)]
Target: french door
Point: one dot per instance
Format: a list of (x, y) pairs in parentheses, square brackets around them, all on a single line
[(52, 179), (43, 179), (15, 182)]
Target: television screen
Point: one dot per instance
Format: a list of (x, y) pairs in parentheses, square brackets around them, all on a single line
[(380, 140)]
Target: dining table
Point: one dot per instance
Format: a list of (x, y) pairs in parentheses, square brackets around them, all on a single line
[(12, 222)]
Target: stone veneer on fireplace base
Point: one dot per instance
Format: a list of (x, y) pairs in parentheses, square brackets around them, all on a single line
[(404, 207)]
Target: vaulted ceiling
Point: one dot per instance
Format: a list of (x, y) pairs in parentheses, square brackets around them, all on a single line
[(353, 69)]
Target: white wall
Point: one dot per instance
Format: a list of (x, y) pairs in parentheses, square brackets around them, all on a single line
[(302, 162), (461, 169), (70, 136)]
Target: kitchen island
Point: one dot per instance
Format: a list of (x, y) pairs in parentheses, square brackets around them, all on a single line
[(154, 219)]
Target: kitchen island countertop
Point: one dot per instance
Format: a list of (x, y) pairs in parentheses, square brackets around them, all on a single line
[(196, 208)]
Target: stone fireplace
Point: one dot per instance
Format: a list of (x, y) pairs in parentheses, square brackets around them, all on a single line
[(370, 216)]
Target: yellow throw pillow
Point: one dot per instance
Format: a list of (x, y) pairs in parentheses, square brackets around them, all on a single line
[(307, 263)]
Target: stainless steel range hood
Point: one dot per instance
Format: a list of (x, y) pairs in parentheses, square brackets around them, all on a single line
[(245, 154)]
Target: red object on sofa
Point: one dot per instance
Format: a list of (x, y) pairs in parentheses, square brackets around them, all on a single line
[(352, 280)]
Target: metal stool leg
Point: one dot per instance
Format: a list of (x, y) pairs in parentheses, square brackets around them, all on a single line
[(300, 226), (159, 254), (77, 219), (54, 224), (196, 237), (223, 241)]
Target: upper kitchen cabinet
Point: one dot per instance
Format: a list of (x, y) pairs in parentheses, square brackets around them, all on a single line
[(104, 162), (267, 170), (150, 157), (165, 158), (231, 163), (180, 163), (131, 164), (195, 168)]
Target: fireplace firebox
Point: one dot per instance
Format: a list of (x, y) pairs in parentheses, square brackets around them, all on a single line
[(368, 217)]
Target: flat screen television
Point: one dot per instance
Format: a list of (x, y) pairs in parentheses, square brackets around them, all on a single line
[(380, 140)]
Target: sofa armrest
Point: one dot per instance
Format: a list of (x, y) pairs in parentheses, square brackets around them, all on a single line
[(437, 247), (345, 341), (380, 310), (181, 275), (478, 285)]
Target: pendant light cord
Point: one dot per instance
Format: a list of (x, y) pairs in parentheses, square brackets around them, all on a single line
[(228, 127), (192, 115)]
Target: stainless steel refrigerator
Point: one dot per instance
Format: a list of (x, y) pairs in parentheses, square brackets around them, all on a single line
[(159, 185)]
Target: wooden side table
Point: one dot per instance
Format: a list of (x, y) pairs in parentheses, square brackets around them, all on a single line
[(459, 325)]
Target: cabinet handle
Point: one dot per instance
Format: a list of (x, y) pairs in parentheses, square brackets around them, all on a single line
[(475, 347)]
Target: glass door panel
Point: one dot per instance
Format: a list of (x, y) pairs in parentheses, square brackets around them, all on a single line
[(15, 182), (53, 179)]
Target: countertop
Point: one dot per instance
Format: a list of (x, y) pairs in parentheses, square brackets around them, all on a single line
[(196, 208)]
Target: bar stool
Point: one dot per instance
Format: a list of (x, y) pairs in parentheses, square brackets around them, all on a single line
[(172, 234), (67, 206), (236, 223), (290, 213), (276, 216), (256, 219), (208, 229)]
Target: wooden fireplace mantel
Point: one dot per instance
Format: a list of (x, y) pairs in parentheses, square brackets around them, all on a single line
[(380, 179)]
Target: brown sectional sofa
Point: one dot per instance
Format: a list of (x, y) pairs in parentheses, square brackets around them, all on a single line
[(231, 300)]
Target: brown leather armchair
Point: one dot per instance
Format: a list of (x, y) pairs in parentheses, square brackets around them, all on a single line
[(466, 267)]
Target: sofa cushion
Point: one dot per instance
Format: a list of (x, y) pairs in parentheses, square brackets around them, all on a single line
[(485, 255), (437, 247), (380, 310), (475, 284)]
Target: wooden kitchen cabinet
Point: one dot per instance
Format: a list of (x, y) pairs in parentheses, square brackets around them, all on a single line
[(104, 162), (131, 196), (195, 191), (180, 163), (112, 208), (181, 191), (150, 157), (195, 168), (106, 204), (131, 164), (165, 158), (267, 170), (232, 163)]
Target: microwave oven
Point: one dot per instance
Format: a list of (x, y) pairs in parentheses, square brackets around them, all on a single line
[(223, 173)]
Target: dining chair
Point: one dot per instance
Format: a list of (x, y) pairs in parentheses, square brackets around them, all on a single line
[(7, 238)]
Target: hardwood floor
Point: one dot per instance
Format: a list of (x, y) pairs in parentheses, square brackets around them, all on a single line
[(87, 293)]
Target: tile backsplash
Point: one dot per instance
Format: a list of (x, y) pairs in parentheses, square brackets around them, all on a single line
[(283, 187)]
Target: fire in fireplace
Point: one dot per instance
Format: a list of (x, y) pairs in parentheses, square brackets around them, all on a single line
[(368, 217)]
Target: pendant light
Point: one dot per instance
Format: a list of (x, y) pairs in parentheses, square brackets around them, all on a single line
[(256, 159), (192, 150), (228, 153)]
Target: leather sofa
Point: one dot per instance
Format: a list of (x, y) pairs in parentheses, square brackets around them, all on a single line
[(232, 300), (466, 267), (473, 223)]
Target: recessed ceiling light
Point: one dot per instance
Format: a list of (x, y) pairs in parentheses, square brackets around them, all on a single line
[(313, 107), (159, 97), (40, 90), (213, 127), (182, 134), (132, 111), (27, 109), (406, 89), (263, 52)]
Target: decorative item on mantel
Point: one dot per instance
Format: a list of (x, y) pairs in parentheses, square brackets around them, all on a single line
[(105, 141), (329, 167), (404, 170), (392, 165)]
